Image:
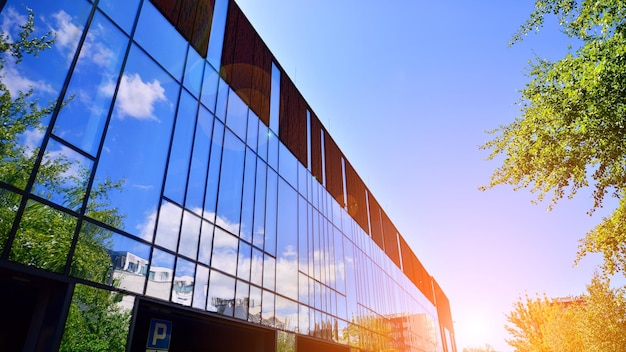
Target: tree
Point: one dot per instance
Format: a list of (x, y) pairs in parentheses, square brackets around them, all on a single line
[(572, 130), (44, 235), (595, 321)]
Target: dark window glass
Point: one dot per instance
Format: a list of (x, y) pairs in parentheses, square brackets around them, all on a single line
[(231, 184), (201, 286), (182, 288), (124, 15), (135, 147), (160, 275), (168, 228), (62, 176), (237, 115), (44, 74), (210, 200), (287, 241), (247, 202), (271, 205), (224, 251), (221, 294), (159, 38), (258, 238), (43, 238), (92, 86), (189, 235), (180, 153), (199, 162), (193, 72)]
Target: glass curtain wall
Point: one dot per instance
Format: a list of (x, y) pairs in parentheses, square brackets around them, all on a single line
[(146, 173)]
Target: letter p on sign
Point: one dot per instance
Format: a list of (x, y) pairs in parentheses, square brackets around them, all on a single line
[(159, 334)]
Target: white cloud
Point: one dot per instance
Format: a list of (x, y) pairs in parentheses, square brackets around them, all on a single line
[(67, 33), (135, 97)]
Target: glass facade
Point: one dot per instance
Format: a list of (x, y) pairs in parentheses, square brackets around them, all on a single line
[(140, 174)]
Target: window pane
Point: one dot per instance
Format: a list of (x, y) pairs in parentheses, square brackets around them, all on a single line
[(258, 238), (180, 153), (199, 162), (93, 83), (237, 115), (209, 87), (242, 300), (169, 226), (9, 203), (303, 320), (62, 176), (224, 252), (303, 235), (201, 286), (189, 235), (158, 37), (221, 294), (288, 166), (247, 202), (269, 272), (43, 238), (135, 147), (286, 314), (210, 200), (244, 261), (271, 204), (182, 290), (254, 314), (194, 72), (268, 316), (256, 275), (303, 289), (287, 241), (104, 311), (253, 130), (206, 242), (231, 183), (160, 275), (124, 16)]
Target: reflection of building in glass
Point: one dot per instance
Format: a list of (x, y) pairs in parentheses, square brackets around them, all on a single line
[(180, 167)]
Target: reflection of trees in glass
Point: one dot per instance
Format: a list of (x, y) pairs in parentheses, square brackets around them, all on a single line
[(44, 235)]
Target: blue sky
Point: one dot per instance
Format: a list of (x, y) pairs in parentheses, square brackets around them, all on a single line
[(407, 89)]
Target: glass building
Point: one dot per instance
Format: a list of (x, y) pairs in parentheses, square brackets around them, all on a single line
[(165, 187)]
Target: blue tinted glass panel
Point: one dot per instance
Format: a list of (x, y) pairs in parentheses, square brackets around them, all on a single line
[(303, 235), (254, 314), (272, 151), (92, 86), (256, 274), (180, 154), (244, 261), (216, 39), (271, 205), (210, 200), (274, 98), (269, 272), (135, 147), (222, 100), (242, 302), (199, 162), (62, 176), (267, 309), (253, 130), (287, 241), (194, 72), (189, 235), (237, 115), (224, 251), (263, 141), (259, 204), (168, 227), (288, 166), (247, 203), (123, 14), (209, 87), (206, 242), (287, 310), (231, 184), (161, 40)]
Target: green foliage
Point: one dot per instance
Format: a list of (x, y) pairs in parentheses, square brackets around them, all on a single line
[(595, 321), (572, 130), (95, 322), (44, 234)]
